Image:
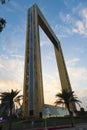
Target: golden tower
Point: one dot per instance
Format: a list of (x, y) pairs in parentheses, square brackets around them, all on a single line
[(33, 86)]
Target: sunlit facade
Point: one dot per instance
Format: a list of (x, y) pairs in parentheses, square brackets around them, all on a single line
[(33, 86)]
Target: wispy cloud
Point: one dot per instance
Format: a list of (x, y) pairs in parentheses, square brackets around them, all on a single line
[(44, 40), (81, 25), (8, 9), (64, 29), (77, 76), (84, 14), (65, 17), (78, 73), (51, 83), (16, 6), (9, 78), (15, 42), (73, 61), (73, 22), (51, 56)]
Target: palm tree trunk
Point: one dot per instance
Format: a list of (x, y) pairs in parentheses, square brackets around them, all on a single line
[(71, 116), (10, 118), (72, 119)]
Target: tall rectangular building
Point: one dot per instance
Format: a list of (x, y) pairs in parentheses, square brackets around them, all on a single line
[(33, 86)]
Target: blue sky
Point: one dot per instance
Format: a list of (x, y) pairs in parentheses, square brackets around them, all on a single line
[(68, 19)]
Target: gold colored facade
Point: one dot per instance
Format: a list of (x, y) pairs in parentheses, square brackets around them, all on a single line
[(33, 86)]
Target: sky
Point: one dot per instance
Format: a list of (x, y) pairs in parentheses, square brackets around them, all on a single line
[(68, 19)]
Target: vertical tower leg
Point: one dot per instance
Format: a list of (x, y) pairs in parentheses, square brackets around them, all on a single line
[(33, 87), (65, 82)]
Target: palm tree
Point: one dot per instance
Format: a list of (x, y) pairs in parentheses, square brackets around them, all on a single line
[(8, 100), (2, 24), (2, 20), (3, 1), (67, 98)]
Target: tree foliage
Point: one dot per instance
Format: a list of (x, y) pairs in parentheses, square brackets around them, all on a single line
[(8, 100), (3, 1), (2, 20), (66, 98), (2, 24)]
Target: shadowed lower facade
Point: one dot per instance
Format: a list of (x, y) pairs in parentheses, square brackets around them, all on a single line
[(33, 101)]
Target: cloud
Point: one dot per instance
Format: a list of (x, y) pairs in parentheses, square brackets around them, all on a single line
[(16, 6), (8, 85), (73, 21), (77, 76), (84, 14), (63, 30), (50, 56), (15, 42), (65, 17), (51, 88), (78, 80), (80, 28), (78, 73), (11, 73), (80, 50), (9, 10), (83, 93), (44, 40), (81, 24), (73, 61)]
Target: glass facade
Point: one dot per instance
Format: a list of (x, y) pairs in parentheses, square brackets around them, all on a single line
[(31, 63)]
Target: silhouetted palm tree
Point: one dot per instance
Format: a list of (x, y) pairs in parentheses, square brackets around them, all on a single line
[(66, 98), (2, 21), (3, 1), (2, 24), (8, 100)]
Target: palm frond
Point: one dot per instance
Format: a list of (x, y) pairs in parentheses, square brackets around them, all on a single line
[(9, 98), (67, 97)]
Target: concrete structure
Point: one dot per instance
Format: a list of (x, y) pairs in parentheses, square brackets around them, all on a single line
[(33, 86)]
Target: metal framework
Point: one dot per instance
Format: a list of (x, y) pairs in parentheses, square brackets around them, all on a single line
[(33, 86)]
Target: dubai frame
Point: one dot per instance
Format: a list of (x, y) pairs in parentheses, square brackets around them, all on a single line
[(33, 86)]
